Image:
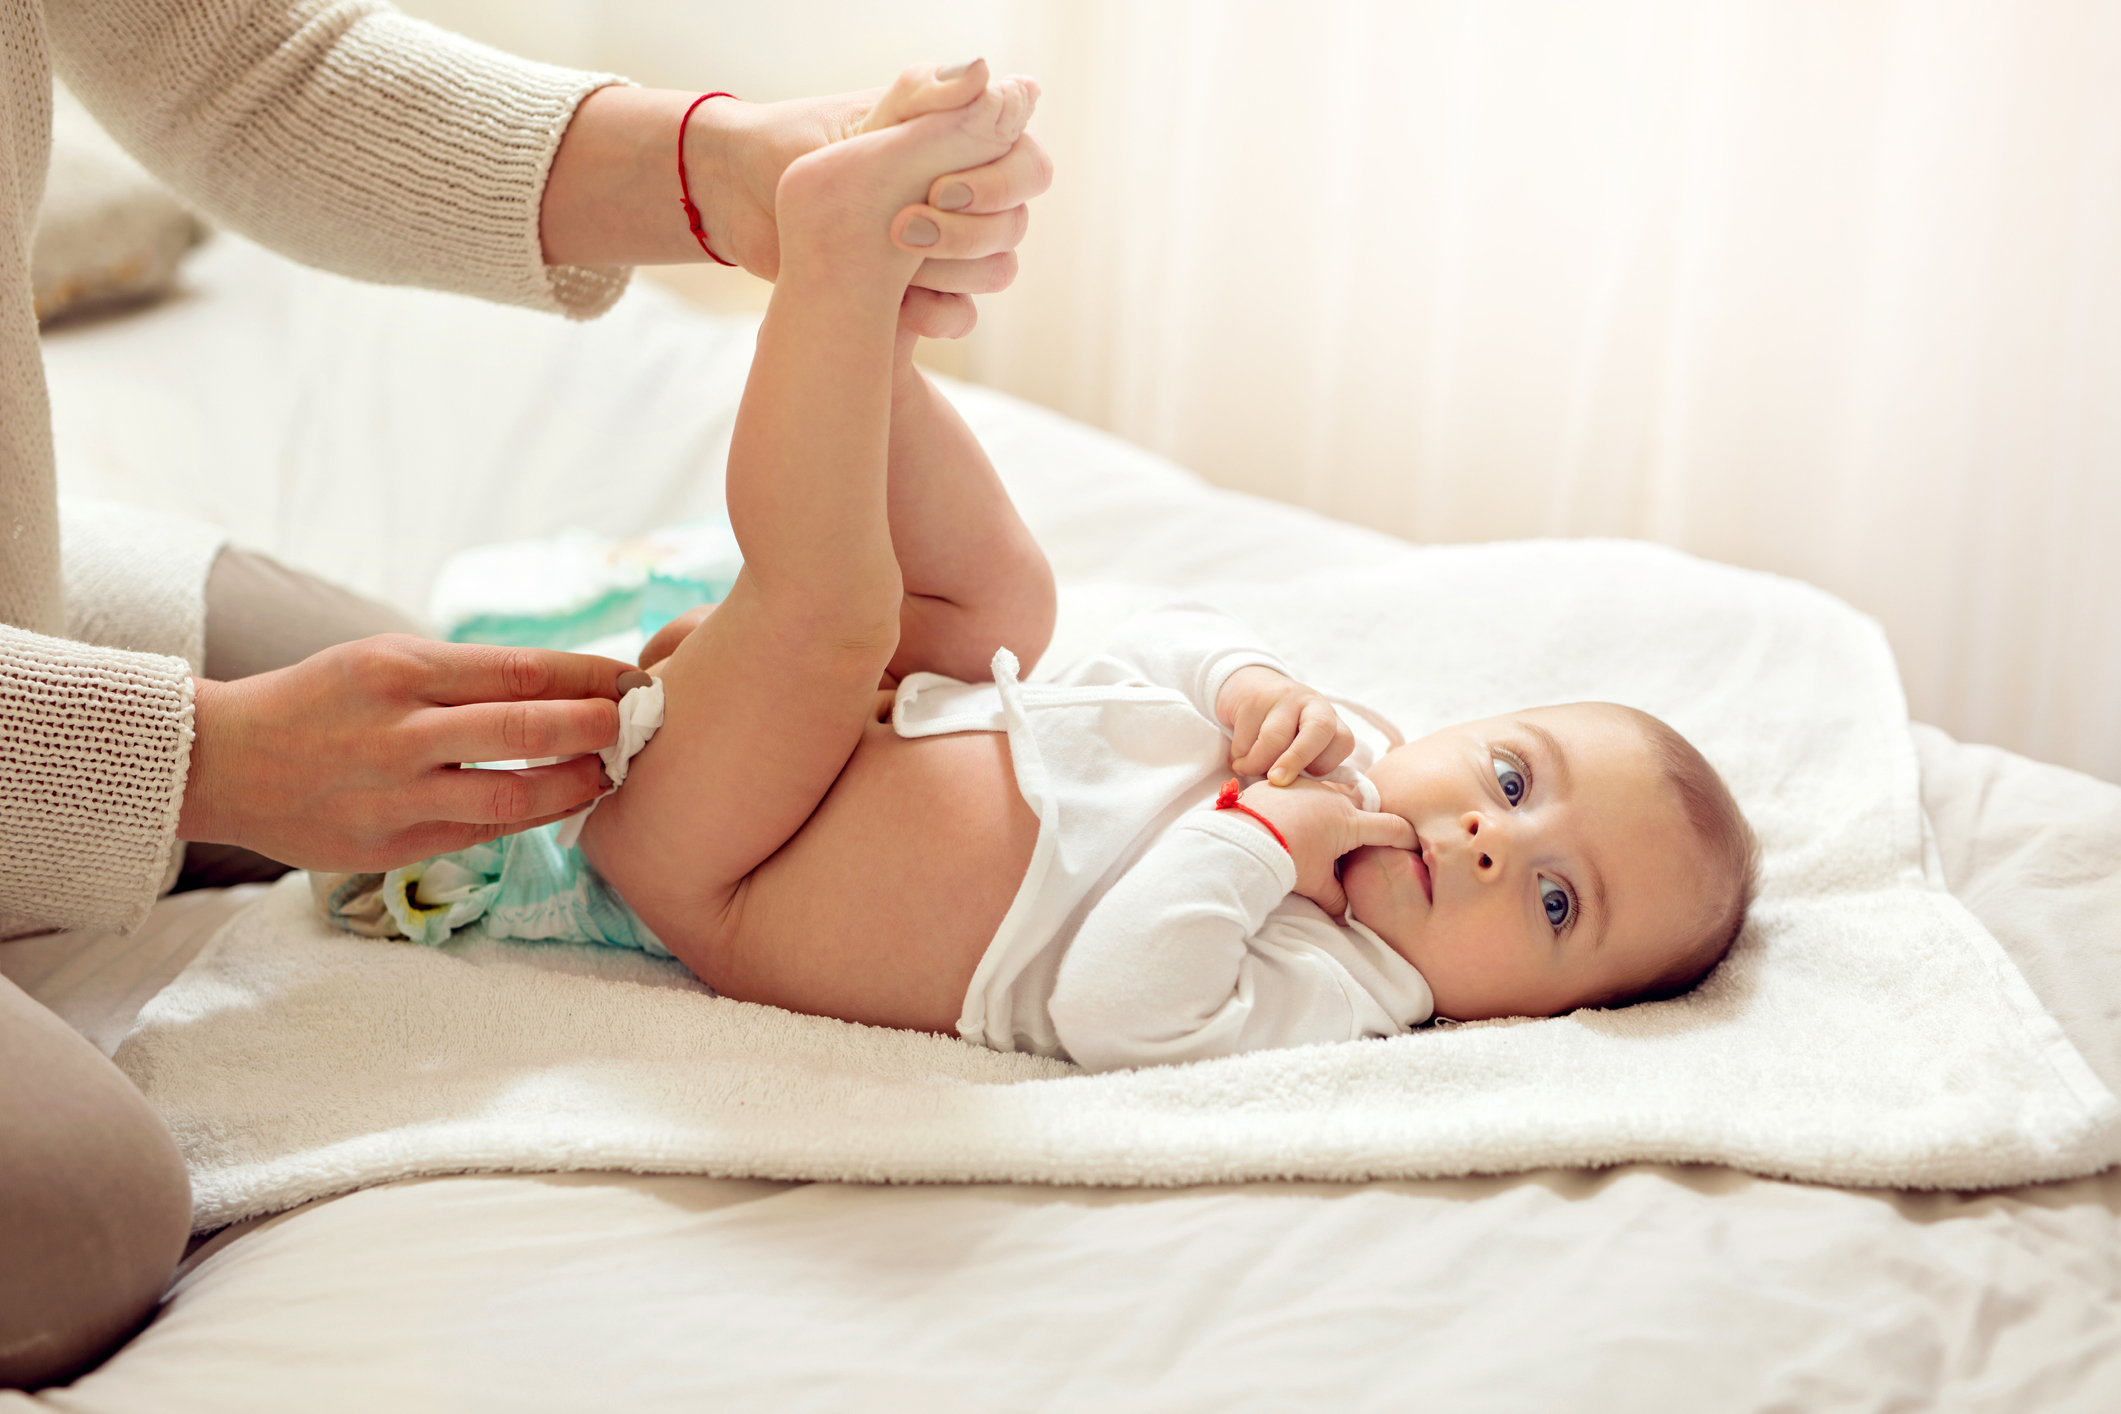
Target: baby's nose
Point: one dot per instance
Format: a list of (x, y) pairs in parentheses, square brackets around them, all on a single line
[(1484, 843)]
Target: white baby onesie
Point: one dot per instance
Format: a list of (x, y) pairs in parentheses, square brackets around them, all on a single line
[(1149, 928)]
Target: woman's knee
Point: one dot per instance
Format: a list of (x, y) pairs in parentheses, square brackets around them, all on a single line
[(95, 1206), (262, 615)]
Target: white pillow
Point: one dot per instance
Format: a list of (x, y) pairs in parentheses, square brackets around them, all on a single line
[(108, 234)]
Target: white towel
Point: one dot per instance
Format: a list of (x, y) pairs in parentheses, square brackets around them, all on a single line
[(1866, 1030)]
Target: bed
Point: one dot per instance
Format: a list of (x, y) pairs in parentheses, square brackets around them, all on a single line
[(367, 434)]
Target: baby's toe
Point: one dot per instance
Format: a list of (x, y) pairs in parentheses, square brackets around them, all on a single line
[(926, 88), (1004, 110), (955, 141), (1020, 94)]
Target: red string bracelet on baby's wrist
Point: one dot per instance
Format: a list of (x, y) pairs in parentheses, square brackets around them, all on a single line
[(1228, 800), (692, 213)]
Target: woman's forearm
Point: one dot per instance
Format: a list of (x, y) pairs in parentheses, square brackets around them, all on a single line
[(613, 196), (363, 142)]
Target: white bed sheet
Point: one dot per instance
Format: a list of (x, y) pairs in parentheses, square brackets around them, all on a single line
[(368, 433), (1647, 1288), (1637, 1289)]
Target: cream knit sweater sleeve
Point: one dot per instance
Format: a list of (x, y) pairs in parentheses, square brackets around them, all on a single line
[(338, 131), (342, 133), (92, 761)]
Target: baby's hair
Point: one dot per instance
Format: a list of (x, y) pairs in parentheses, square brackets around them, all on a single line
[(1733, 859)]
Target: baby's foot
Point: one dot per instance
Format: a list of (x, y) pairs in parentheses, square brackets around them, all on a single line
[(835, 206), (924, 89)]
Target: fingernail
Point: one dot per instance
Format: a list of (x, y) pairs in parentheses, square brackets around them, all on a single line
[(952, 71), (919, 231), (955, 197), (631, 679)]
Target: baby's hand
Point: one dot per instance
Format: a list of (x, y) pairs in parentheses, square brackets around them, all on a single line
[(1321, 821), (1279, 728)]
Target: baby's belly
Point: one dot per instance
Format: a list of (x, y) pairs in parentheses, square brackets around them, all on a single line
[(880, 906)]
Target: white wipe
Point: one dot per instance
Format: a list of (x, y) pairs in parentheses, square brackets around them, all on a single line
[(640, 714)]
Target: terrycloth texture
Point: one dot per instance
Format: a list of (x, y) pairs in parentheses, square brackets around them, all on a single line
[(341, 132), (1865, 1031)]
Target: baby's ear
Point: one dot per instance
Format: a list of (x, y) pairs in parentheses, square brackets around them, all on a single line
[(927, 88)]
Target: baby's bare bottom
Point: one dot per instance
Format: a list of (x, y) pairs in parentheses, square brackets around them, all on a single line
[(880, 906), (879, 909), (876, 909)]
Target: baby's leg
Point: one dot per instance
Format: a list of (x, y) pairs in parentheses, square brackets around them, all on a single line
[(973, 577), (768, 698), (975, 580)]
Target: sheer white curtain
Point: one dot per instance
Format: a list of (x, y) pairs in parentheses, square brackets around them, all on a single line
[(1832, 290), (1829, 289)]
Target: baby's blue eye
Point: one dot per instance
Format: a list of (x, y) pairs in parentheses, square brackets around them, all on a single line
[(1511, 780), (1555, 899)]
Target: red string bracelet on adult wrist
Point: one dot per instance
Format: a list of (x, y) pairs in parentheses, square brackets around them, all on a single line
[(1228, 800), (692, 212)]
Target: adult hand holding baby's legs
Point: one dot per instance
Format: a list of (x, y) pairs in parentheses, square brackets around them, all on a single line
[(611, 198), (347, 760), (967, 231), (910, 115), (969, 220)]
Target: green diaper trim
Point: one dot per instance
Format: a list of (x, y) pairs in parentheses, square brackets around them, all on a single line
[(617, 611)]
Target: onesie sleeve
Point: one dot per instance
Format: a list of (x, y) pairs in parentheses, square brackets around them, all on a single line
[(1189, 647), (1169, 967), (341, 133)]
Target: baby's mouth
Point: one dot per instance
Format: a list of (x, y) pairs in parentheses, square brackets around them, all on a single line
[(1421, 871)]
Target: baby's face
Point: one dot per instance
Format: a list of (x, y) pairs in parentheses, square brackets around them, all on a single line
[(1555, 865)]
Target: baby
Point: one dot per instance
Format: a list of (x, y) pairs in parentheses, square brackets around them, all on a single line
[(1043, 866)]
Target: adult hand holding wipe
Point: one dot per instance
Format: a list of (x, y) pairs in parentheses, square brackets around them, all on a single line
[(348, 760), (640, 717)]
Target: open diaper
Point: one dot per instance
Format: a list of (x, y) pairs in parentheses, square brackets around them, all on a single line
[(1865, 1030), (533, 887)]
